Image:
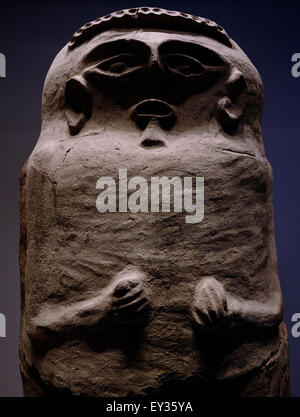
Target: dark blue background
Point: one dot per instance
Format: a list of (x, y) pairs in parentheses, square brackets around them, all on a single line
[(31, 34)]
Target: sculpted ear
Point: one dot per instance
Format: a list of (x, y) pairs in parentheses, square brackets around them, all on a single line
[(230, 108), (79, 103)]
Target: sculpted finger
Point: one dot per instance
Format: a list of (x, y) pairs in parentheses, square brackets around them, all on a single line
[(132, 306), (124, 286), (219, 301), (130, 296)]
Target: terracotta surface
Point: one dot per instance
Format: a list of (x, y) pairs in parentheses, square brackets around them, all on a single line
[(123, 303)]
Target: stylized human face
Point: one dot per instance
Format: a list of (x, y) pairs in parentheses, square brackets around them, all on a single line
[(152, 72)]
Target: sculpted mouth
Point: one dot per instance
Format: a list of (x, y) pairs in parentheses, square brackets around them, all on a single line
[(153, 136), (150, 143)]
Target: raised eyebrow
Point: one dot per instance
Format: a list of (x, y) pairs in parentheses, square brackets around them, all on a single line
[(189, 48), (110, 49)]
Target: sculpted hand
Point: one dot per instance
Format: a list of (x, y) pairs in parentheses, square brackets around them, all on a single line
[(129, 299), (209, 307)]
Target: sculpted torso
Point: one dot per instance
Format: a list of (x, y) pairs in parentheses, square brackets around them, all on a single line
[(145, 302)]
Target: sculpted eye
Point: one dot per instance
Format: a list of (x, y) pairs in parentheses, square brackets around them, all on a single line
[(183, 64), (119, 64), (118, 67)]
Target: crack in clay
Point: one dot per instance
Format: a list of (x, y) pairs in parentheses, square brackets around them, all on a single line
[(238, 153)]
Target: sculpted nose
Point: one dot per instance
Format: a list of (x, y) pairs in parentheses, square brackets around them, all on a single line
[(153, 109)]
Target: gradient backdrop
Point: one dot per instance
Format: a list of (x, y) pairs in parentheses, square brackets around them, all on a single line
[(32, 33)]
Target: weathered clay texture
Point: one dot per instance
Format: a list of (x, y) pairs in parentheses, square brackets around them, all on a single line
[(145, 303)]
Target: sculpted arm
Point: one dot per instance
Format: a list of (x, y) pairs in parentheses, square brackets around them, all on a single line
[(213, 307), (123, 300)]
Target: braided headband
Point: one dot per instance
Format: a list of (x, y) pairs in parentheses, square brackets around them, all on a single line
[(150, 17)]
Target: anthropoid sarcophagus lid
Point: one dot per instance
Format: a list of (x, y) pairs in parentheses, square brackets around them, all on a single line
[(148, 260)]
